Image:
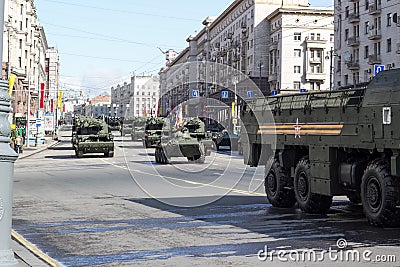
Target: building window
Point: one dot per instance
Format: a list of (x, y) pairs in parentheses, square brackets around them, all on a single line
[(20, 62), (297, 53), (297, 36), (366, 51), (332, 38), (366, 27), (346, 34), (389, 19), (389, 45), (366, 4), (312, 36), (20, 43), (318, 36), (20, 25), (296, 86), (346, 12), (297, 69)]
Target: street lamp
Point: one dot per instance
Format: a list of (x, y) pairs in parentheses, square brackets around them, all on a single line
[(260, 66), (329, 55)]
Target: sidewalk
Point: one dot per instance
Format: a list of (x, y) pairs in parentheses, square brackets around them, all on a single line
[(26, 253), (32, 150)]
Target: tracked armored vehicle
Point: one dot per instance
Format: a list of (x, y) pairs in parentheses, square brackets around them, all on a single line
[(92, 136), (126, 126), (153, 130), (138, 126), (197, 129), (344, 142)]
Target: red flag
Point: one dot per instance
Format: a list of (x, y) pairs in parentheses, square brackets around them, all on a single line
[(41, 96), (51, 105)]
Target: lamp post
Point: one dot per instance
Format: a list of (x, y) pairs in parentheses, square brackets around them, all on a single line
[(7, 159), (260, 66), (329, 55)]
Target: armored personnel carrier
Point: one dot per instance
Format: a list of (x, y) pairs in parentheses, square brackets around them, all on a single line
[(196, 128), (138, 126), (114, 124), (180, 144), (92, 136), (126, 125), (153, 130), (344, 142)]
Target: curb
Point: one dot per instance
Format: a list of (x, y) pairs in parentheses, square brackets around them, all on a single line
[(32, 249), (39, 150)]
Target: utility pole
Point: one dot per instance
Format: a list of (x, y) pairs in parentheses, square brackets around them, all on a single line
[(7, 160)]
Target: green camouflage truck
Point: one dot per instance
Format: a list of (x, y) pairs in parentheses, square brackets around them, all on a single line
[(153, 131), (334, 143), (138, 125), (92, 136)]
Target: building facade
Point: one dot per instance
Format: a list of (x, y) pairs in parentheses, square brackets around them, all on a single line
[(138, 98), (240, 38), (301, 40), (366, 40), (25, 55)]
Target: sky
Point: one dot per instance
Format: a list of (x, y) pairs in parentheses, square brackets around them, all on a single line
[(102, 43)]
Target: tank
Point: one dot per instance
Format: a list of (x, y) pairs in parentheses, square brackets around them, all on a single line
[(153, 130), (180, 143), (114, 124), (92, 136), (335, 143), (138, 125), (126, 127)]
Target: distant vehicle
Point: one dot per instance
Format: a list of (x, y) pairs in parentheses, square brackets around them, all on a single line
[(153, 131), (180, 143), (91, 136), (126, 127), (334, 143), (225, 138), (114, 123), (138, 125), (196, 128)]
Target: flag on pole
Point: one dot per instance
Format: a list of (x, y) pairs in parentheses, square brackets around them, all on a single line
[(59, 100), (11, 82)]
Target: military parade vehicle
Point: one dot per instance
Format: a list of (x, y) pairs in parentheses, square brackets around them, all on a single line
[(126, 126), (138, 125), (92, 136), (344, 142), (180, 143), (114, 123), (152, 132), (225, 138), (197, 129)]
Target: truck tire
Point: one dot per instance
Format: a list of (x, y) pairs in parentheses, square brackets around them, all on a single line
[(79, 153), (157, 155), (354, 197), (308, 202), (163, 156), (279, 187), (200, 160), (380, 195)]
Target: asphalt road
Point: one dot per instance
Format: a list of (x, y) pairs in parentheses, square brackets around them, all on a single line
[(130, 211)]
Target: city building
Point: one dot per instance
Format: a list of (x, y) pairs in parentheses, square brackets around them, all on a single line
[(366, 40), (99, 106), (138, 98), (301, 40), (24, 51), (53, 81)]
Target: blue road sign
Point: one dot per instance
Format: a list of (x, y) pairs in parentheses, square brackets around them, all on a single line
[(250, 94), (274, 92), (225, 94), (378, 68), (38, 122), (195, 93), (303, 90)]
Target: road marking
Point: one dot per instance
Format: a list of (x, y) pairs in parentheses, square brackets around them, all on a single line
[(244, 192), (32, 248)]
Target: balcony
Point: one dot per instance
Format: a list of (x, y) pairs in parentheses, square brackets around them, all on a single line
[(353, 41), (273, 77), (354, 18), (273, 46), (315, 60), (374, 9), (353, 65), (353, 1), (312, 43), (374, 34), (316, 76), (374, 59)]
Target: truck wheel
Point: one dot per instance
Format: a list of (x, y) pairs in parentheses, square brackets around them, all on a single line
[(157, 155), (279, 187), (308, 202), (380, 195), (110, 154), (79, 153), (354, 197), (201, 159), (164, 158)]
